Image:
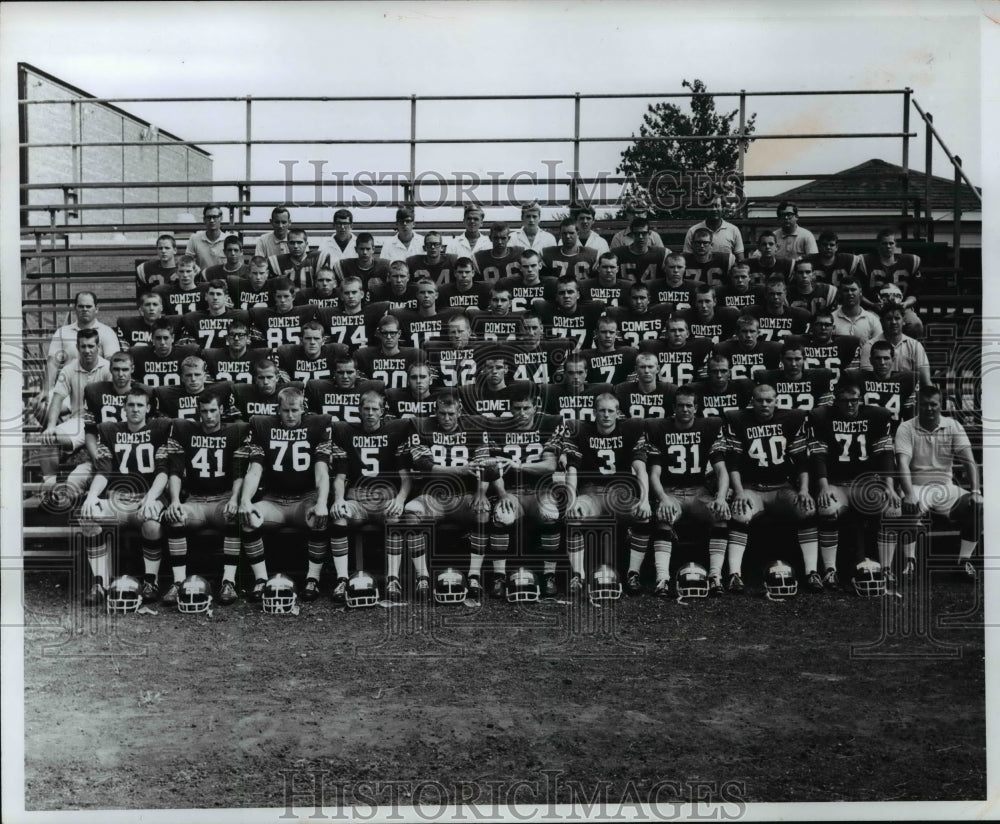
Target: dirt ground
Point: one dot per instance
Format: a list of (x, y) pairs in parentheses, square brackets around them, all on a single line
[(819, 698)]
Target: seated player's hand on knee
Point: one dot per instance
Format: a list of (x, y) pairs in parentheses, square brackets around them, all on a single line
[(174, 514), (90, 509), (642, 511), (316, 516), (804, 502), (720, 509)]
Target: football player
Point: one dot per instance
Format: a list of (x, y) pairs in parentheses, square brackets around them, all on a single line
[(681, 358), (388, 361), (348, 322), (252, 289), (261, 396), (706, 319), (639, 322), (830, 264), (183, 294), (682, 449), (398, 292), (775, 318), (104, 401), (323, 295), (234, 266), (765, 451), (373, 272), (601, 454), (608, 362), (527, 285), (535, 359), (927, 448), (502, 260), (179, 401), (748, 353), (427, 322), (646, 396), (433, 264), (882, 386), (127, 488), (738, 294), (570, 257), (673, 291), (340, 398), (888, 265), (490, 395), (454, 358), (606, 286), (416, 400), (768, 261), (160, 270), (371, 483), (207, 329), (851, 458), (566, 318), (289, 453), (138, 329), (806, 294), (573, 399), (202, 470), (825, 350), (465, 292), (795, 386), (234, 361), (720, 391), (281, 322), (639, 261), (159, 362), (311, 359), (298, 265), (703, 265), (499, 322)]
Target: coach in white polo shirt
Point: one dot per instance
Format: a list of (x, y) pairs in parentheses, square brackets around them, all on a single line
[(530, 236), (471, 240), (926, 450), (405, 243)]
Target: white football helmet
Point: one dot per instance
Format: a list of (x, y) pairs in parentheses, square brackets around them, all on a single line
[(604, 585), (194, 595), (890, 293), (123, 594), (869, 580), (692, 581), (522, 585), (279, 595), (449, 587), (361, 590), (780, 580)]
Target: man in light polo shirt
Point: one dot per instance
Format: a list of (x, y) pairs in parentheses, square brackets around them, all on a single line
[(89, 367), (471, 240), (405, 243), (725, 236), (851, 318), (342, 243), (530, 236), (275, 242), (793, 240), (207, 246), (908, 355), (926, 450)]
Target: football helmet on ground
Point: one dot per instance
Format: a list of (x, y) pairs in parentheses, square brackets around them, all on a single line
[(124, 594), (449, 587), (604, 585), (780, 580), (522, 585), (279, 595), (361, 590), (869, 580), (194, 595), (692, 581)]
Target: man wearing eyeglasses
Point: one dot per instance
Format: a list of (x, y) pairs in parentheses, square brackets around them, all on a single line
[(725, 236), (793, 240), (208, 245)]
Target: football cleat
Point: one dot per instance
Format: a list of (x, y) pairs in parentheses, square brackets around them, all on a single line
[(735, 584), (393, 590), (96, 594), (523, 586), (632, 585), (604, 585), (339, 593), (576, 586), (257, 593), (869, 581), (169, 598), (662, 588), (474, 589), (909, 567), (779, 580), (227, 593), (310, 592), (715, 588), (830, 579), (692, 581), (362, 590), (279, 595), (422, 588), (449, 587), (549, 585), (149, 590), (814, 583), (124, 594), (194, 594), (499, 589)]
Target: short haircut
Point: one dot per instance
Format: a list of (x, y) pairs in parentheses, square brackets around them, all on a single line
[(429, 235), (704, 289), (207, 397), (460, 317), (718, 357), (767, 233), (404, 213), (568, 278), (929, 391), (373, 394), (258, 261), (352, 279), (607, 256), (583, 209), (237, 324), (448, 398), (399, 266), (144, 295), (313, 325), (745, 267), (567, 223), (822, 313), (703, 232), (363, 238), (343, 214), (473, 208), (267, 362), (387, 319), (849, 281), (787, 204), (746, 321), (890, 307), (498, 226), (886, 233), (217, 283), (231, 240), (527, 254), (298, 231), (78, 295), (577, 358), (524, 391), (607, 320), (799, 262), (282, 285), (688, 391), (139, 391), (290, 393), (792, 345), (120, 356), (531, 206), (775, 280), (827, 235), (209, 206), (187, 260), (638, 223), (883, 346), (425, 281), (192, 361), (87, 334), (464, 263), (638, 286), (280, 210), (169, 238), (676, 257), (168, 324), (846, 383)]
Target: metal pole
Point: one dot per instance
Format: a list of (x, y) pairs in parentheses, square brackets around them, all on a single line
[(410, 189), (576, 148), (906, 159), (245, 190), (956, 233), (743, 125), (928, 170)]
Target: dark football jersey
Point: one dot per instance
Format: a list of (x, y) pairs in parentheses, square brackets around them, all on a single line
[(310, 297), (351, 267), (490, 327), (102, 404), (219, 271), (715, 402), (453, 366), (275, 329), (679, 366), (222, 365), (176, 402), (348, 329), (478, 399), (326, 398), (358, 454), (904, 271), (374, 364), (205, 461), (634, 328), (418, 330), (810, 392), (556, 263), (776, 328), (152, 371), (836, 356), (684, 455), (714, 270), (599, 457), (524, 444), (641, 266), (293, 361), (492, 268), (740, 301), (130, 460), (578, 326), (288, 455), (746, 364), (209, 331), (895, 394), (177, 302), (675, 297), (823, 297), (765, 454), (610, 367), (384, 295), (523, 296), (440, 272), (761, 271), (402, 403), (133, 331), (447, 449), (152, 273), (477, 297), (720, 327), (636, 403), (539, 365), (572, 405), (615, 295), (842, 265), (244, 296), (842, 449), (250, 400), (302, 273)]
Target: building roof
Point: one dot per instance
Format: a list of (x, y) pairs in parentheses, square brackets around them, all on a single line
[(875, 186)]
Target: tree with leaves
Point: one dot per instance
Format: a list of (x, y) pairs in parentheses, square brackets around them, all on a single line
[(678, 178)]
